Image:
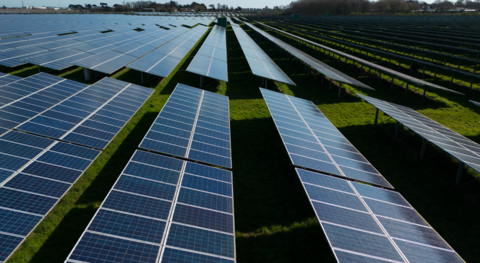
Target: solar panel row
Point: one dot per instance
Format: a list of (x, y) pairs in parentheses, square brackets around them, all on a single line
[(35, 173), (369, 224), (7, 78), (313, 142), (164, 59), (319, 66), (24, 99), (453, 143), (260, 63), (211, 58), (193, 124), (93, 116), (162, 210)]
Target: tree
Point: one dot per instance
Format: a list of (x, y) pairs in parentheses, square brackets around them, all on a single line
[(212, 6)]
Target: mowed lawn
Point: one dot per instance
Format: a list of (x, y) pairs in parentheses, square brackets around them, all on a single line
[(273, 218)]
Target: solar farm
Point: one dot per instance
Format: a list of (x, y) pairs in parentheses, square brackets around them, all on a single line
[(227, 137)]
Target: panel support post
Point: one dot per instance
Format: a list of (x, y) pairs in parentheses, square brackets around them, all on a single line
[(330, 85), (406, 88), (38, 66), (87, 73), (435, 75), (376, 117), (424, 146), (391, 83), (423, 96), (471, 84), (339, 90), (379, 77), (459, 173), (397, 129), (201, 81)]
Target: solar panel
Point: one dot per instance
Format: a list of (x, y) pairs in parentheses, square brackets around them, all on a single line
[(194, 124), (162, 209), (474, 102), (7, 79), (163, 60), (319, 66), (462, 148), (211, 58), (25, 98), (369, 224), (93, 116), (313, 142), (35, 172), (260, 63)]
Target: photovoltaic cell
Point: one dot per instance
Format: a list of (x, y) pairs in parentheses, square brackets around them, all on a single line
[(157, 221), (193, 124), (460, 147), (313, 142), (211, 58), (30, 190), (366, 232), (93, 116)]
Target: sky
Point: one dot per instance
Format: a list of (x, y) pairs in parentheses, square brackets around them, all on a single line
[(64, 3)]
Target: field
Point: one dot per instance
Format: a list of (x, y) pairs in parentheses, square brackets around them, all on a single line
[(273, 218)]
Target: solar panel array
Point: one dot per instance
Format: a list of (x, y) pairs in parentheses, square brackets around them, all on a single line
[(260, 63), (211, 59), (24, 99), (93, 116), (163, 60), (319, 66), (162, 209), (193, 124), (35, 172), (368, 224), (313, 142), (462, 148)]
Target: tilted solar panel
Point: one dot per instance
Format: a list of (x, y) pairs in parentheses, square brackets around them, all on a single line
[(163, 60), (93, 116), (368, 224), (462, 148), (194, 124), (35, 172), (260, 63), (313, 142), (26, 98), (7, 78), (211, 58), (162, 209), (474, 102)]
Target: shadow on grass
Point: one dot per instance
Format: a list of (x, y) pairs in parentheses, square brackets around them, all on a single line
[(59, 244)]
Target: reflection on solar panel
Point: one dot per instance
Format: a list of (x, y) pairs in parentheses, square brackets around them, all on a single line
[(25, 98), (211, 59), (368, 224), (462, 148), (474, 102), (166, 209), (164, 59), (193, 124), (260, 63), (93, 116), (319, 66), (6, 79), (35, 173), (313, 142)]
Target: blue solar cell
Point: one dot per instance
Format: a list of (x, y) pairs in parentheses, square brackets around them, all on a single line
[(308, 153), (201, 240), (172, 131), (163, 147), (25, 201), (380, 194), (171, 255), (417, 253), (99, 248), (346, 257), (201, 199), (210, 158), (17, 223), (52, 172), (334, 197), (157, 160), (203, 218), (7, 245), (314, 164), (212, 133), (64, 160), (153, 173), (19, 150), (213, 127), (208, 185), (361, 242), (42, 130), (210, 172), (75, 150), (62, 117), (4, 174), (137, 205), (324, 180), (129, 226), (11, 163), (166, 138), (144, 187), (395, 212), (86, 140), (37, 185)]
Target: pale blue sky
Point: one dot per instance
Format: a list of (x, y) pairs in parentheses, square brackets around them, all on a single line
[(64, 3)]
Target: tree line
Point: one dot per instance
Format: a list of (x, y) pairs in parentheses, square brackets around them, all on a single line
[(345, 7), (139, 6)]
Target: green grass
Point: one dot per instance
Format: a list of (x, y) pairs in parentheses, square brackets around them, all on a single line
[(274, 221)]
